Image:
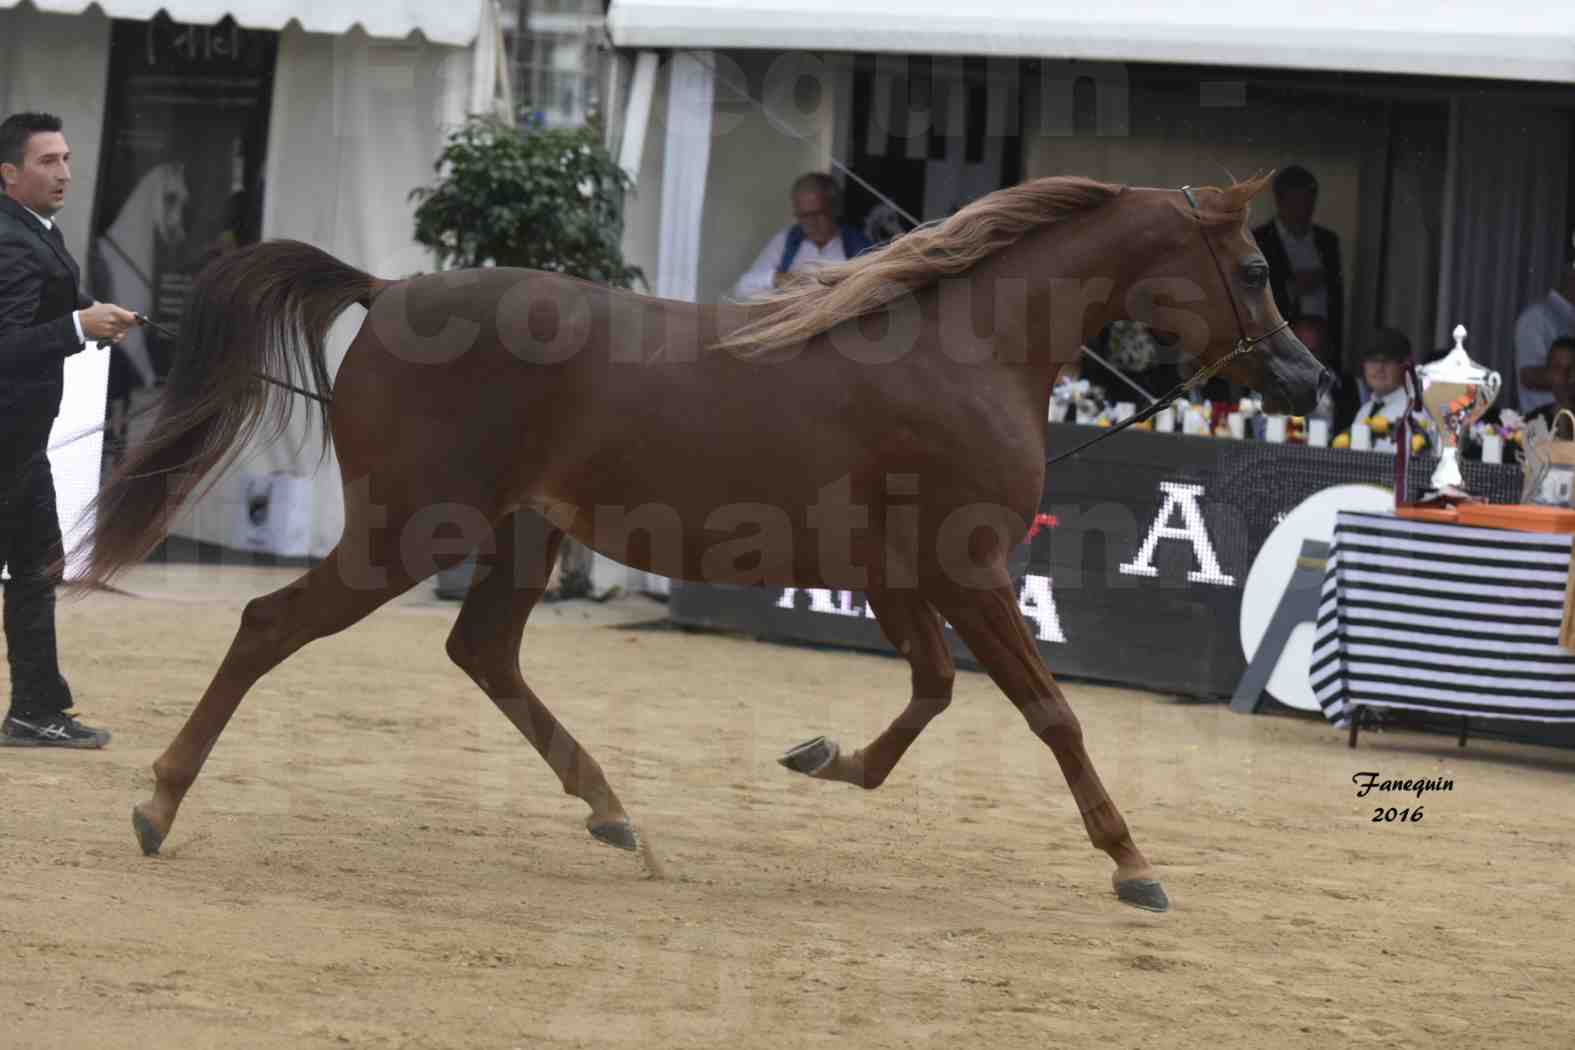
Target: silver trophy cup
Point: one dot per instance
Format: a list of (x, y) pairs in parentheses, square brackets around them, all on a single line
[(1456, 391)]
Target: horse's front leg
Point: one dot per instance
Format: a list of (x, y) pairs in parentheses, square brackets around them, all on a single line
[(914, 630), (992, 625)]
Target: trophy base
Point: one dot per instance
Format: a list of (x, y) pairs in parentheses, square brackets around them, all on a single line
[(1447, 496)]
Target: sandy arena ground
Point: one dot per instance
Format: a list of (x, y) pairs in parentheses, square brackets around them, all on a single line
[(373, 858)]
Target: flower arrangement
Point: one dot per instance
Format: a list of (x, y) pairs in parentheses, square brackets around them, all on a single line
[(1510, 429), (1381, 427)]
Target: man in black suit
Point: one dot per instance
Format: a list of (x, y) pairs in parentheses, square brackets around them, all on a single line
[(1303, 258), (44, 318)]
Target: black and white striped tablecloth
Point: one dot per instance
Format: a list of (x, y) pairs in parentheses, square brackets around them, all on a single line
[(1443, 618)]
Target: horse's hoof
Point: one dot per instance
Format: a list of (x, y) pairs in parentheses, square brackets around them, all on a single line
[(148, 836), (619, 833), (1147, 894), (811, 756)]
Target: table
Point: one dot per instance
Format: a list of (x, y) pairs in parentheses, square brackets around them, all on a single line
[(1441, 618)]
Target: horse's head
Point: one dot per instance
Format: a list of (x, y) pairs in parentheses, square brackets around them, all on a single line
[(1222, 313)]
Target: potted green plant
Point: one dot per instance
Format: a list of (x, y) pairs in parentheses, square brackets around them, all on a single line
[(534, 197)]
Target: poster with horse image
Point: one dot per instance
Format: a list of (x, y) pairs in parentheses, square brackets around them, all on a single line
[(185, 137)]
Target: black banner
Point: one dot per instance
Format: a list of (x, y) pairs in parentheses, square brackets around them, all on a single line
[(185, 134), (1140, 581)]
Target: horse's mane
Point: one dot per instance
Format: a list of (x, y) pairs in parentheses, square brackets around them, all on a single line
[(843, 291), (917, 259)]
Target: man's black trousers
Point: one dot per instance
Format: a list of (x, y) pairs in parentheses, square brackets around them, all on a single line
[(29, 545)]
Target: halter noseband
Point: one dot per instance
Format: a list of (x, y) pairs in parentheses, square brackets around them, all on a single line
[(1244, 345)]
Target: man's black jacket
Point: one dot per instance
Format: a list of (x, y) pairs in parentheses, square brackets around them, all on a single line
[(40, 287), (1281, 275)]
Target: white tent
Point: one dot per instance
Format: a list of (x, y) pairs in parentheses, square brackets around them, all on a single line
[(1498, 39), (452, 24), (363, 96)]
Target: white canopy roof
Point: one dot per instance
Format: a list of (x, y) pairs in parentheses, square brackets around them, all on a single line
[(1501, 39), (440, 21)]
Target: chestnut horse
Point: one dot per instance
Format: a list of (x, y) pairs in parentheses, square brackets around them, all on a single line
[(878, 428)]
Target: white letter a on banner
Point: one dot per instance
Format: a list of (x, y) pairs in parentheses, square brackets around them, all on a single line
[(1191, 530)]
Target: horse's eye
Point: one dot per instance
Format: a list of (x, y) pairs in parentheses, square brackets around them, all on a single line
[(1255, 276)]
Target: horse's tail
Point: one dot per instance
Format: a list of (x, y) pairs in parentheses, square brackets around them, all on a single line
[(263, 310)]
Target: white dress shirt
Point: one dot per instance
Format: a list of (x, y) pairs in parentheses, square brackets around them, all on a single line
[(1391, 406), (1302, 253), (757, 279), (76, 315)]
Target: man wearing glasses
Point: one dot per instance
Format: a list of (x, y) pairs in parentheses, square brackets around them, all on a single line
[(814, 239)]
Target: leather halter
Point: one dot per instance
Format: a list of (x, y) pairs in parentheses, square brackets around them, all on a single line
[(1244, 345)]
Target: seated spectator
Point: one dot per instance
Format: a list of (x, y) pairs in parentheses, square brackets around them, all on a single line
[(1537, 326), (1559, 370), (814, 239), (1384, 360)]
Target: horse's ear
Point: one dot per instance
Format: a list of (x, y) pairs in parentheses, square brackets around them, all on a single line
[(1240, 194)]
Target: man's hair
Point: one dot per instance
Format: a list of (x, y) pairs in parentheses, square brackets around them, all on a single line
[(823, 184), (1563, 342), (1295, 177), (18, 128)]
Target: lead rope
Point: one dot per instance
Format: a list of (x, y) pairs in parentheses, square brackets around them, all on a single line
[(167, 334)]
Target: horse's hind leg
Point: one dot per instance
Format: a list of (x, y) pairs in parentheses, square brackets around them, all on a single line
[(913, 628), (485, 643), (992, 625), (272, 627)]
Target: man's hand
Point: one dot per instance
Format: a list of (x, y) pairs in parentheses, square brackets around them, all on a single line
[(106, 321)]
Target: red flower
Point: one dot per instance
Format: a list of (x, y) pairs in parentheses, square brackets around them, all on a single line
[(1041, 521)]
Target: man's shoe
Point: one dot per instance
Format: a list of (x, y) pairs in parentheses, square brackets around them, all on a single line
[(59, 729)]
